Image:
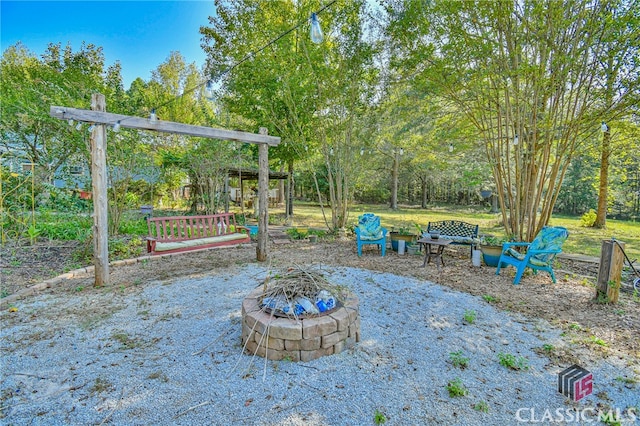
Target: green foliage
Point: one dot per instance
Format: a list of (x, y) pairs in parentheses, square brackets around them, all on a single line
[(63, 226), (469, 316), (598, 341), (64, 200), (297, 233), (609, 418), (133, 226), (602, 298), (125, 247), (456, 388), (462, 69), (403, 230), (33, 233), (513, 362), (490, 299), (491, 240), (481, 406), (588, 219), (319, 232), (30, 84), (18, 190), (577, 194), (458, 360), (379, 418)]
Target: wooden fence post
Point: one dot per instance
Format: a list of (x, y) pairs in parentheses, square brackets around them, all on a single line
[(99, 186), (610, 271)]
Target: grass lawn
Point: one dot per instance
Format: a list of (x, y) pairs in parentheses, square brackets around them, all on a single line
[(582, 240)]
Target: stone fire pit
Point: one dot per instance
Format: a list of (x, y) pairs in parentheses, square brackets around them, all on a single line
[(303, 337)]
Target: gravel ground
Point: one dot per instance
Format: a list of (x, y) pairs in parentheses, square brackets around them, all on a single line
[(169, 352)]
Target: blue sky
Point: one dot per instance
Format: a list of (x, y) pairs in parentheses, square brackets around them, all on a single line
[(139, 34)]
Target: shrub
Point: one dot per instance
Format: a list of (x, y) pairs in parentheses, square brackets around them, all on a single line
[(63, 226), (588, 219), (61, 199)]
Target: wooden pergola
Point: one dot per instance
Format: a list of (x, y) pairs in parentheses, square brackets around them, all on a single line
[(101, 119)]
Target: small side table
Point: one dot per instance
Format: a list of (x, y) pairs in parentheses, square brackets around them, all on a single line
[(433, 249)]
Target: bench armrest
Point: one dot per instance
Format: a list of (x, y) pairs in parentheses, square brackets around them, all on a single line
[(151, 244)]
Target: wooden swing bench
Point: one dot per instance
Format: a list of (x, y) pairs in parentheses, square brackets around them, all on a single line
[(175, 234)]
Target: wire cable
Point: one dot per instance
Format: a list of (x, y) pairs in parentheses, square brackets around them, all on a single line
[(243, 60)]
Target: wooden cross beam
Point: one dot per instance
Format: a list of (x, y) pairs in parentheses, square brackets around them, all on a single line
[(97, 115), (132, 122)]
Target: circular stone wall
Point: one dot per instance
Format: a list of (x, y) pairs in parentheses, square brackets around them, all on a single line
[(303, 339)]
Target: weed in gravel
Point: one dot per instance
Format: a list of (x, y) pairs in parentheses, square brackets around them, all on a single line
[(481, 406), (379, 418), (513, 362), (587, 282), (92, 320), (101, 385), (126, 341), (458, 360), (609, 418), (456, 388), (597, 341), (627, 380), (548, 347), (575, 327), (602, 298), (469, 316), (490, 299)]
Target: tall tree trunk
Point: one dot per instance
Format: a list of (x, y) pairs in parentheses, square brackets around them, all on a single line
[(290, 190), (424, 194), (601, 215), (394, 181)]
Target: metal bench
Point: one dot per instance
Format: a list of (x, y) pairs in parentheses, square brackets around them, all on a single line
[(461, 233)]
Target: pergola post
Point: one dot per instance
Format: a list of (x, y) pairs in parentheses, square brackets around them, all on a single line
[(99, 186), (263, 199), (102, 119)]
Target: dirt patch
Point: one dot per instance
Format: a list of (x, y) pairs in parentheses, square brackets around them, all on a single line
[(22, 266), (597, 329)]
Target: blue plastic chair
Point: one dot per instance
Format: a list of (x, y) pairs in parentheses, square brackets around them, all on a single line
[(539, 254), (369, 231)]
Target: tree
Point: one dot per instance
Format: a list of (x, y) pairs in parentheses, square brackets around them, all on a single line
[(312, 96), (617, 57), (523, 74), (29, 86), (176, 92)]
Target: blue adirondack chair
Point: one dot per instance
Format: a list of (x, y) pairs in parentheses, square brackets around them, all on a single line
[(539, 254), (369, 231)]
